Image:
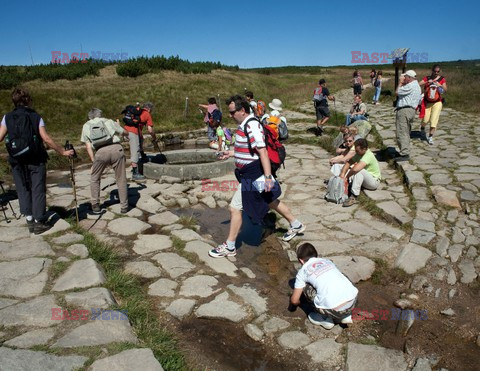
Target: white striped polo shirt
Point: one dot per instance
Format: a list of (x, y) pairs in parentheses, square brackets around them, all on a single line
[(256, 135)]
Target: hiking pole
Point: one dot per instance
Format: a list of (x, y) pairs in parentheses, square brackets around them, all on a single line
[(69, 146)]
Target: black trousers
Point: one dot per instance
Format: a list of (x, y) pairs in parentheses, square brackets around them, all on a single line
[(30, 182)]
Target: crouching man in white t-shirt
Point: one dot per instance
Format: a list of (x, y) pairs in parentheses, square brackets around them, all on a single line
[(331, 293)]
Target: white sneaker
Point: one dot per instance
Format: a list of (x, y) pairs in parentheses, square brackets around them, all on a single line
[(430, 140), (319, 320), (347, 320)]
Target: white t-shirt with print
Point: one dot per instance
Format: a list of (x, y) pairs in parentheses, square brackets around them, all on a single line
[(333, 288)]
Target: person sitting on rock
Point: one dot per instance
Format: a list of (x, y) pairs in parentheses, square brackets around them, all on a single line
[(358, 111), (339, 141), (331, 293), (337, 162), (365, 171)]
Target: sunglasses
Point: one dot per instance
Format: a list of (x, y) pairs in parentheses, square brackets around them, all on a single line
[(349, 141), (232, 112), (437, 71)]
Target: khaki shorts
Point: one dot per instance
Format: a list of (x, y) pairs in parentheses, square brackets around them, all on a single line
[(236, 202)]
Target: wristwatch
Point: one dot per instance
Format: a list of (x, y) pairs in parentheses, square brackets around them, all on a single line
[(268, 177)]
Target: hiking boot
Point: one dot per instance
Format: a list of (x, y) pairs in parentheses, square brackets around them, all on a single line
[(352, 200), (30, 225), (402, 158), (292, 232), (136, 174), (430, 140), (319, 320), (96, 209), (319, 131), (222, 251), (124, 210), (40, 227), (347, 320)]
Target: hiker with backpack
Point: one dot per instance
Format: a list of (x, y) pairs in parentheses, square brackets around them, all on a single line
[(281, 126), (225, 138), (434, 86), (357, 83), (102, 138), (321, 95), (365, 171), (337, 162), (257, 157), (25, 134), (377, 84), (358, 111), (212, 114)]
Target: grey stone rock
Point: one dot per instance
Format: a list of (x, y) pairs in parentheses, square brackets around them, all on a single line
[(254, 332), (440, 275), (275, 324), (455, 252), (293, 340), (97, 297), (440, 179), (422, 364), (222, 308), (452, 293), (132, 359), (148, 243), (25, 248), (24, 278), (438, 261), (420, 193), (81, 274), (452, 216), (78, 249), (412, 258), (421, 237), (414, 178), (395, 211), (448, 312), (209, 201), (356, 228), (328, 247), (201, 285), (99, 332), (468, 271), (149, 205), (13, 233), (452, 277), (472, 241), (67, 239), (356, 268), (377, 248), (187, 235), (36, 312), (424, 225), (362, 357), (59, 226), (127, 226), (15, 360), (201, 249), (31, 338), (446, 197), (173, 264), (457, 236), (419, 283), (165, 218), (442, 246), (143, 269), (471, 253), (7, 302), (248, 272), (468, 196), (385, 228), (181, 307), (379, 195), (162, 287), (327, 352), (250, 296)]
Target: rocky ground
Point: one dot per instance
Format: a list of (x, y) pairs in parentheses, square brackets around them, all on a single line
[(232, 313)]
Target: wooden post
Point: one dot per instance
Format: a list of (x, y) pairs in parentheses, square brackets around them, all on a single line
[(186, 108)]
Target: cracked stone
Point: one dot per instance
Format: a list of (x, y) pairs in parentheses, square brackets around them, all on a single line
[(181, 307), (173, 264), (200, 285), (412, 258), (223, 308), (293, 340), (81, 274)]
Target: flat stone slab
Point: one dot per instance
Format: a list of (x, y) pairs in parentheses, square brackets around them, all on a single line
[(377, 248), (395, 211), (275, 324), (415, 177), (200, 248), (7, 302), (468, 271), (357, 228), (181, 307), (424, 225), (36, 312), (222, 308), (10, 234), (201, 285), (15, 360), (326, 352), (421, 237), (79, 250), (412, 258), (25, 248), (329, 247), (81, 274), (163, 287), (143, 269), (148, 243), (132, 359), (59, 226), (440, 179), (385, 228), (24, 278), (149, 204), (187, 235), (165, 218), (68, 239), (127, 226), (445, 197), (32, 338), (251, 297), (379, 195), (97, 297), (356, 268), (173, 264), (293, 340), (362, 357), (99, 332)]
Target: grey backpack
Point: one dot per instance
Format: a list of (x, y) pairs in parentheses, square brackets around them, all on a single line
[(282, 130), (336, 191), (100, 136)]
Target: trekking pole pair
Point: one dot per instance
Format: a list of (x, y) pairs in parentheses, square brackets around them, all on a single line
[(8, 202), (69, 146)]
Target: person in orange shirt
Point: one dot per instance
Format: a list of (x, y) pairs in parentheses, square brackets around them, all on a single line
[(135, 138)]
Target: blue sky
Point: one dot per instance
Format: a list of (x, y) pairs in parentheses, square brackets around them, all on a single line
[(237, 33)]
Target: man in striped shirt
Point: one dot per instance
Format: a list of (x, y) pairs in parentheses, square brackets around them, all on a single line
[(246, 159)]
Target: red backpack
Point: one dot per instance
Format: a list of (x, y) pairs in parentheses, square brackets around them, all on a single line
[(431, 91)]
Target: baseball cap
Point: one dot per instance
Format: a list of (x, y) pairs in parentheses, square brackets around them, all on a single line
[(410, 73)]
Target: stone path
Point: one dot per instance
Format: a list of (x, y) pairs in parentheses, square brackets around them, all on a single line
[(41, 273)]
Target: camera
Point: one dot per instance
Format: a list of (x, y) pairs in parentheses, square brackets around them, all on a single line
[(68, 146)]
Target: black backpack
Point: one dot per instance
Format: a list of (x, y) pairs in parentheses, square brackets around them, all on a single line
[(132, 116), (23, 140)]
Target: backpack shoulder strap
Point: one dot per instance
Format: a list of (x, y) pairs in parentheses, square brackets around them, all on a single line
[(250, 149)]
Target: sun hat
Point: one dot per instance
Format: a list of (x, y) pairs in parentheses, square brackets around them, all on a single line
[(410, 73), (275, 104)]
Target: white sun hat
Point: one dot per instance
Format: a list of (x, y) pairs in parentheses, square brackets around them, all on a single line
[(275, 104)]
